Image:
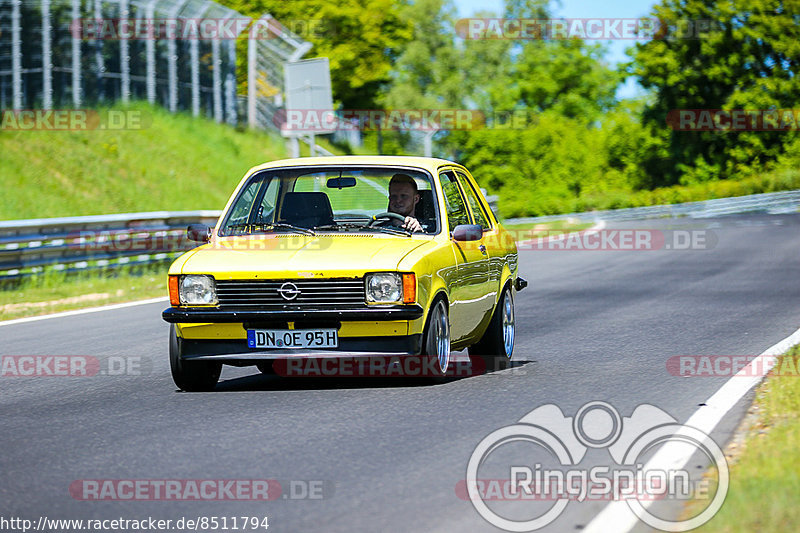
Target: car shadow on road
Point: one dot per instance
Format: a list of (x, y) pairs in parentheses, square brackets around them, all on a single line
[(265, 382)]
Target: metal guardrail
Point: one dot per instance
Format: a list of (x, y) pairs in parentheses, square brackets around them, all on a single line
[(73, 244), (771, 203)]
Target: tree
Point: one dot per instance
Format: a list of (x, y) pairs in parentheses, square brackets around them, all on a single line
[(747, 58), (427, 74), (361, 38)]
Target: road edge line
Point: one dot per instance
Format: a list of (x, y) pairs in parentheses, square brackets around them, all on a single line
[(87, 310), (617, 516)]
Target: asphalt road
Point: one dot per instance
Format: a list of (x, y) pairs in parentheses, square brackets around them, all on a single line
[(593, 325)]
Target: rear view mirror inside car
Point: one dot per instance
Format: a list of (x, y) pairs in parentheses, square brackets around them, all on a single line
[(341, 182)]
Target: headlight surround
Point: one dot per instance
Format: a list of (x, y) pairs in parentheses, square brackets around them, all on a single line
[(197, 289), (384, 288)]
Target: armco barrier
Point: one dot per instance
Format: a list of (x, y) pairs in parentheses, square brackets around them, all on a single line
[(110, 241), (771, 203), (102, 241)]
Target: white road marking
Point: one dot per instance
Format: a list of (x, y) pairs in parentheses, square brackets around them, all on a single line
[(617, 516), (83, 311)]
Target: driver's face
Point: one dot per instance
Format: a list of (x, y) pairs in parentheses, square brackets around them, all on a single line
[(402, 199)]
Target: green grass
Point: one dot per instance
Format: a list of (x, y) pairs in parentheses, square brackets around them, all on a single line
[(176, 162), (54, 292), (765, 474)]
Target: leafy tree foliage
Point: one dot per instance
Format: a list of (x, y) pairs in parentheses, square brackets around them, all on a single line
[(361, 38), (736, 54)]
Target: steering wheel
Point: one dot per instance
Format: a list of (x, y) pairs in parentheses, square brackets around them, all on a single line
[(386, 215)]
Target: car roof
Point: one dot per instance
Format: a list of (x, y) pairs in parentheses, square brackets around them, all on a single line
[(429, 163)]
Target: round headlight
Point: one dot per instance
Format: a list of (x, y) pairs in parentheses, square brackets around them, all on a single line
[(198, 290), (384, 288)]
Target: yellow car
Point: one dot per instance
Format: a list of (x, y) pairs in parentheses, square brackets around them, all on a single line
[(338, 257)]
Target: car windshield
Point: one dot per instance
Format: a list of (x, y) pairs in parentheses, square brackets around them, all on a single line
[(335, 199)]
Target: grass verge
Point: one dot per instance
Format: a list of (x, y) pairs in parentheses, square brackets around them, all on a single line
[(54, 292), (174, 162), (765, 467)]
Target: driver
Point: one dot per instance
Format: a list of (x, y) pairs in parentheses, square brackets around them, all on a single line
[(403, 198)]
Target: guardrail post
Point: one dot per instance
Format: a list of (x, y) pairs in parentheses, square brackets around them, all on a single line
[(47, 57), (76, 56)]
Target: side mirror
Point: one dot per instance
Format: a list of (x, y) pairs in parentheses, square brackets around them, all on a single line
[(198, 233), (467, 232)]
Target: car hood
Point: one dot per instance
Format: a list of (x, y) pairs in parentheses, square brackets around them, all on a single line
[(290, 255)]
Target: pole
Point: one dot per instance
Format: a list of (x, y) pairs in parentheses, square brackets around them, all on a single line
[(47, 57)]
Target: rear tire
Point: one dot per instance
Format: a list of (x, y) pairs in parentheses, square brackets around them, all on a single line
[(191, 376), (497, 344), (436, 341)]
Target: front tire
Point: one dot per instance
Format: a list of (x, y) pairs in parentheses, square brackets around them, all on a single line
[(191, 376), (436, 341), (497, 344)]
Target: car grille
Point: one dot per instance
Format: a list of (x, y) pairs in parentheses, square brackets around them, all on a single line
[(311, 294)]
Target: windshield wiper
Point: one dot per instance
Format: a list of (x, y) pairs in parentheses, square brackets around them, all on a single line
[(284, 225), (266, 225), (394, 230), (341, 225)]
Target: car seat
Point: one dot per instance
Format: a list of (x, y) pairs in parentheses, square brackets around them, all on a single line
[(306, 209)]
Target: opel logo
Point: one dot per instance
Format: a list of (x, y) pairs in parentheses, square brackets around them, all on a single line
[(289, 291)]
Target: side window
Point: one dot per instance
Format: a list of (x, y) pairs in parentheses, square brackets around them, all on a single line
[(456, 210), (474, 204), (241, 209), (266, 211)]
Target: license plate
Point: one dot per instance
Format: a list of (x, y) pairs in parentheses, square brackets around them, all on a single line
[(292, 338)]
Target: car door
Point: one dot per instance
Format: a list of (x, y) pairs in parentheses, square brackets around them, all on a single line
[(468, 295), (491, 238)]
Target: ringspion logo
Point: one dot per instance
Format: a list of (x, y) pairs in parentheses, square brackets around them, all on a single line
[(533, 467)]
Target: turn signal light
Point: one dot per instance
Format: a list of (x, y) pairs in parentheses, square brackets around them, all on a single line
[(174, 299), (409, 288)]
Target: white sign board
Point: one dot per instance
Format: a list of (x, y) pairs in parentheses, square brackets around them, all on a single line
[(309, 100)]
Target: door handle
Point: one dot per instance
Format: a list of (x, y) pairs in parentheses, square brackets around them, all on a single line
[(482, 248)]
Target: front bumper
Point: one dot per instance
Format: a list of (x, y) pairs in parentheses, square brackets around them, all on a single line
[(188, 315), (237, 350)]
